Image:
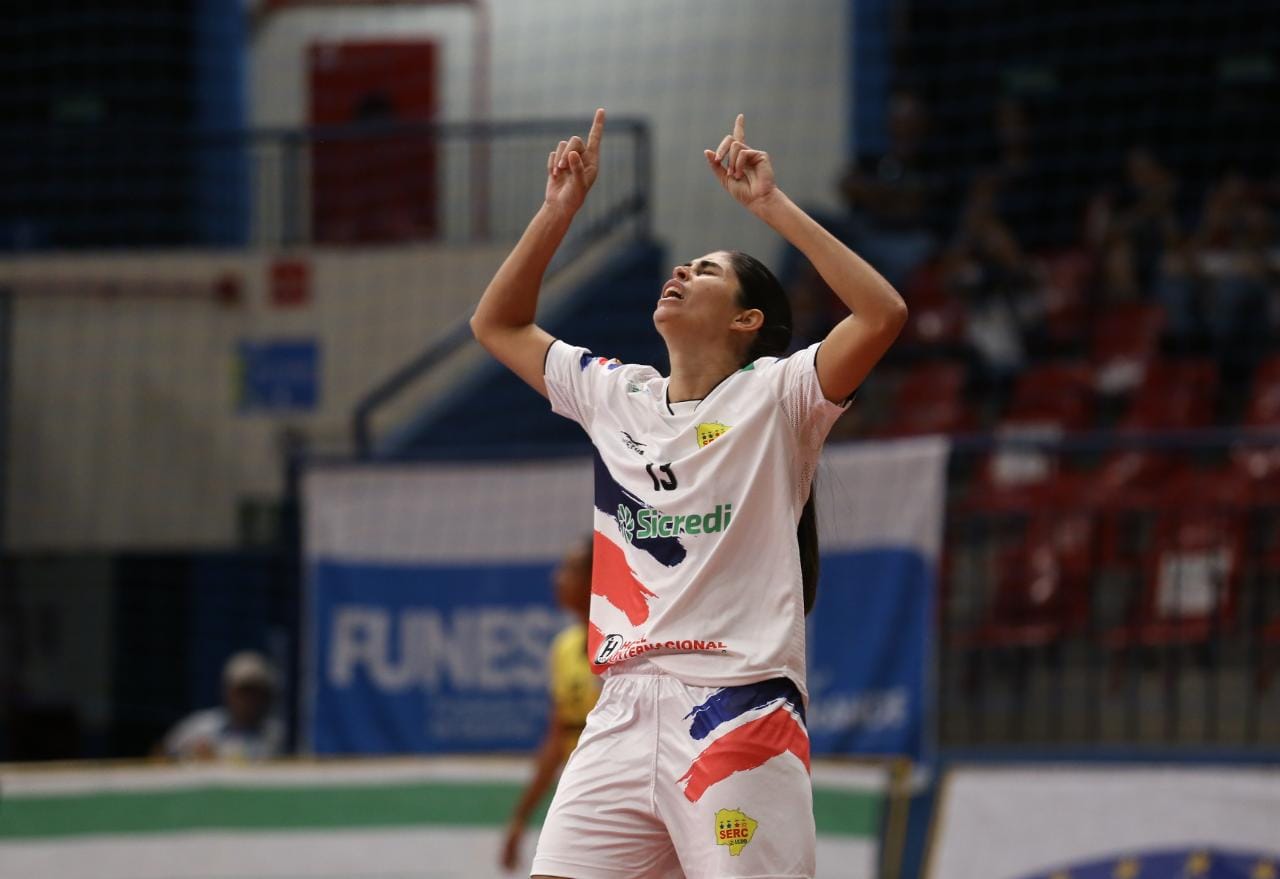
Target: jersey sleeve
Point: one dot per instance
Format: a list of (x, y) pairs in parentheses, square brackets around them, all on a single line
[(810, 414), (577, 381)]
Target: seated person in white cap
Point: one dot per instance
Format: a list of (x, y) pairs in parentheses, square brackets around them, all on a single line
[(243, 728)]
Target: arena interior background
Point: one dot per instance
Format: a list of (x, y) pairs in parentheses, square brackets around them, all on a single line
[(238, 244)]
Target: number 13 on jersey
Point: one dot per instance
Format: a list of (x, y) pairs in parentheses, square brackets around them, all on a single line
[(664, 478)]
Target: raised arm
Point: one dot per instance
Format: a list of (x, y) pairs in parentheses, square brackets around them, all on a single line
[(878, 313), (503, 321)]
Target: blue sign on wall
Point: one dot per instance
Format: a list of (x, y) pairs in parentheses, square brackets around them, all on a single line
[(277, 375)]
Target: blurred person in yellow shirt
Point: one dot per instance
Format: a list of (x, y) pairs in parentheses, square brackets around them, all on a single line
[(574, 690)]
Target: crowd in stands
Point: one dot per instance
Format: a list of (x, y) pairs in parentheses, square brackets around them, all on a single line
[(1047, 306), (1010, 261)]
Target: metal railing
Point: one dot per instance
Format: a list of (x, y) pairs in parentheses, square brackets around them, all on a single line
[(372, 183), (620, 198)]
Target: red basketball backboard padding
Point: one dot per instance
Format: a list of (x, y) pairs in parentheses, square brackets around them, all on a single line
[(376, 182)]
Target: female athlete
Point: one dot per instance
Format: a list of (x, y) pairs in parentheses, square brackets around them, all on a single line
[(695, 760)]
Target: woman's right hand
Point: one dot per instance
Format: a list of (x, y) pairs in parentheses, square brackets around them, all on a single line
[(510, 856), (573, 167)]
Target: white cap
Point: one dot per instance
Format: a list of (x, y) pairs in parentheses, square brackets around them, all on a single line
[(248, 667)]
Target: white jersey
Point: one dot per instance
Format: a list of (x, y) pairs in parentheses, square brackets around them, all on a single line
[(696, 566)]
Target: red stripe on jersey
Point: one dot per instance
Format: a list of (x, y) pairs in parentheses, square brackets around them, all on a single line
[(613, 580), (750, 745)]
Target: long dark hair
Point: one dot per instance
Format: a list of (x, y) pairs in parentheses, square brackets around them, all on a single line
[(758, 288)]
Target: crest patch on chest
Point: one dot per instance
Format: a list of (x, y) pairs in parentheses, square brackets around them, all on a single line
[(709, 431)]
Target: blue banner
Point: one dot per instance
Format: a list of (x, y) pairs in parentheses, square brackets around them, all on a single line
[(868, 645), (431, 612), (441, 660)]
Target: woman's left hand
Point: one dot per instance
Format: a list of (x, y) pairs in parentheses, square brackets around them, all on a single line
[(746, 174)]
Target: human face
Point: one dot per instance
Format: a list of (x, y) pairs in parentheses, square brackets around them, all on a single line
[(700, 300), (248, 704), (572, 580)]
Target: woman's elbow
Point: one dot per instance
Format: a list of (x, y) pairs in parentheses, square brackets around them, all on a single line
[(481, 330), (895, 315)]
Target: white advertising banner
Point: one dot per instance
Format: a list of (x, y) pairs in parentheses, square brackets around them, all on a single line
[(1108, 822), (368, 819)]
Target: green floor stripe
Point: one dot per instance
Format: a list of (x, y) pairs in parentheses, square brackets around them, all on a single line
[(838, 812), (847, 813)]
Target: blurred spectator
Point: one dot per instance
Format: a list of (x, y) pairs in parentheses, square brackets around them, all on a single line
[(986, 267), (1137, 232), (895, 199), (243, 728), (1231, 251), (1035, 202), (895, 218), (1214, 283), (574, 690)]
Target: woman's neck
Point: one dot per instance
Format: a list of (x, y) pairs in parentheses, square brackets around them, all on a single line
[(696, 372)]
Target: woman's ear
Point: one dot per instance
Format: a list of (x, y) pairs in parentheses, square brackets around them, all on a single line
[(749, 320)]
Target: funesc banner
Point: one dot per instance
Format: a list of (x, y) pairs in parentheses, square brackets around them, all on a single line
[(430, 610), (1108, 822)]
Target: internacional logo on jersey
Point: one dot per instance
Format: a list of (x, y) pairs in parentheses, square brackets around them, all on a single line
[(614, 648)]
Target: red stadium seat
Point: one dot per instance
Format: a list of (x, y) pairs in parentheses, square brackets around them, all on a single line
[(1126, 338), (1048, 402), (937, 319), (929, 399), (1175, 395), (1192, 571), (1260, 462), (1067, 277), (1042, 586)]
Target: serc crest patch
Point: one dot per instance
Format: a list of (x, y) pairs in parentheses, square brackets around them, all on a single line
[(708, 431), (735, 829)]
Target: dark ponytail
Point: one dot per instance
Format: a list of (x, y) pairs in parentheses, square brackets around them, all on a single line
[(758, 288)]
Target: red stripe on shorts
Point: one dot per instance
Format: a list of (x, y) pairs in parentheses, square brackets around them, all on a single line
[(750, 745)]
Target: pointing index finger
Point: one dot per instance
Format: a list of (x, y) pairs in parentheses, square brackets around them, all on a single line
[(740, 128), (597, 132)]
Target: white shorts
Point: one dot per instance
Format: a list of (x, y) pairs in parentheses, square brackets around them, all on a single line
[(670, 780)]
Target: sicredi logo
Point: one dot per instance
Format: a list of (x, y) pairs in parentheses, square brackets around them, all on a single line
[(648, 523)]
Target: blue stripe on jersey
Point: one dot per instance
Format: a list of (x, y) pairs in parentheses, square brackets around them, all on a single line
[(610, 495), (729, 702)]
